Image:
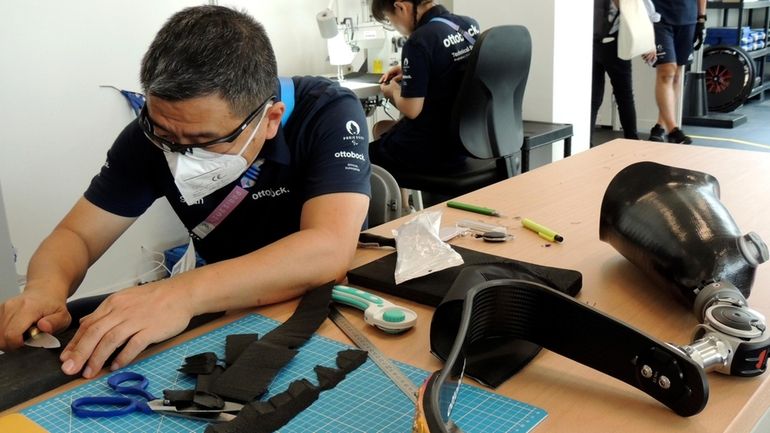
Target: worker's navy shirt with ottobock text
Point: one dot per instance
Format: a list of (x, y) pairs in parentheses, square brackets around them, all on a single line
[(433, 64), (322, 149)]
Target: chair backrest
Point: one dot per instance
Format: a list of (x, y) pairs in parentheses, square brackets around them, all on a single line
[(385, 204), (487, 110)]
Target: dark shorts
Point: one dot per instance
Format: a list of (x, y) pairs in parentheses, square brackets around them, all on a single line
[(674, 43)]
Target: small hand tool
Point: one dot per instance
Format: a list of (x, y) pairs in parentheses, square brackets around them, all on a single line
[(105, 406), (378, 312), (37, 338)]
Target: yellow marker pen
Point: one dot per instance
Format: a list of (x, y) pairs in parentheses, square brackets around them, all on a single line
[(542, 231)]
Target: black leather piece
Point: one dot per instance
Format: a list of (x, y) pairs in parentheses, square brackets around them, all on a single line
[(202, 363), (235, 344), (270, 415), (248, 378), (20, 382), (431, 289), (253, 371), (490, 361), (208, 400), (670, 223), (349, 360), (205, 382), (328, 377), (312, 310), (179, 398)]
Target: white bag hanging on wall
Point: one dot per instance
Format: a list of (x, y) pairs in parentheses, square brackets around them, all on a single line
[(635, 35)]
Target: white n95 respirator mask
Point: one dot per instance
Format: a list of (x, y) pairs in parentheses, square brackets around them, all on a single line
[(200, 172)]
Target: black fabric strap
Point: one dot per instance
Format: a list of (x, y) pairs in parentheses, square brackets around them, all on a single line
[(254, 369), (248, 378), (235, 344), (202, 363), (268, 416)]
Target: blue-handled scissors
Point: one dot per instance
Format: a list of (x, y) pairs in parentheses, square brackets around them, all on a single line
[(90, 407)]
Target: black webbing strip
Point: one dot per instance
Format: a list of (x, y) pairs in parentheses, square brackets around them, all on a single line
[(202, 363), (235, 345), (312, 310), (254, 369), (270, 415), (248, 378)]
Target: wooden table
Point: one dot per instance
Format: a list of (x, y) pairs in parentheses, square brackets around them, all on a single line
[(566, 196)]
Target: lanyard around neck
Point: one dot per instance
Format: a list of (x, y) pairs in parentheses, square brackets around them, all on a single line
[(249, 178), (228, 205)]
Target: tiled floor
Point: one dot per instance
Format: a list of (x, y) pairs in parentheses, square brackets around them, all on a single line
[(752, 135)]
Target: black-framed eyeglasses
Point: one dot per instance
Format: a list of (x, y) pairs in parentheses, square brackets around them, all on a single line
[(148, 127)]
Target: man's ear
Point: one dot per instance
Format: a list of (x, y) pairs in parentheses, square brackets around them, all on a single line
[(400, 7), (273, 118)]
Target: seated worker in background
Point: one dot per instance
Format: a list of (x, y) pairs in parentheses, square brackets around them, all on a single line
[(213, 111), (423, 88), (680, 31)]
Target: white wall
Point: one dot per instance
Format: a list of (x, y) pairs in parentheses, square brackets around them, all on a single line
[(559, 84), (57, 123)]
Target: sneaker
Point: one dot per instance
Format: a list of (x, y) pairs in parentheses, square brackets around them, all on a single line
[(677, 136), (656, 133)]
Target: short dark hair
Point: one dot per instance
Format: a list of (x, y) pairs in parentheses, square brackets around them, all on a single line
[(211, 50), (380, 7)]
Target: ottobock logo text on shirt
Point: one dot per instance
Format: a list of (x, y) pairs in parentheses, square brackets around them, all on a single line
[(348, 154), (456, 38), (270, 193)]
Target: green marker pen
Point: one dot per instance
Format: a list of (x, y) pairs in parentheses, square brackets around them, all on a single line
[(542, 231), (472, 208)]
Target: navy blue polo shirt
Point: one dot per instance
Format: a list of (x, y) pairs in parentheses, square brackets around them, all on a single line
[(677, 12), (433, 63), (322, 149)]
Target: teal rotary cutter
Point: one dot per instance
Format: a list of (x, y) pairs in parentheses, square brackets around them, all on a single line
[(378, 312)]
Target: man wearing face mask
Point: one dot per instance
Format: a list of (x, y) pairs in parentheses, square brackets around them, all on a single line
[(257, 196)]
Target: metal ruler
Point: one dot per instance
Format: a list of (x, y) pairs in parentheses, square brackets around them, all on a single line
[(386, 365)]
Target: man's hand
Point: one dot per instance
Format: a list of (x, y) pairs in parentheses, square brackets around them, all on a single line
[(393, 73), (391, 88), (33, 307), (700, 34), (136, 317), (650, 57)]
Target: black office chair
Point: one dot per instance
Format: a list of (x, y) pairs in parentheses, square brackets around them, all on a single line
[(486, 115)]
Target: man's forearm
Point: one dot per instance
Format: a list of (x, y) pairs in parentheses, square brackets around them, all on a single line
[(701, 7), (280, 271), (59, 264)]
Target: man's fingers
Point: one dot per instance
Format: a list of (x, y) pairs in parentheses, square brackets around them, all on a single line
[(107, 345), (79, 350), (55, 322), (133, 348)]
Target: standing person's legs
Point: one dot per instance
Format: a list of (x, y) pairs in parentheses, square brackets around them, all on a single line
[(666, 79), (597, 86), (683, 40), (620, 74), (665, 71)]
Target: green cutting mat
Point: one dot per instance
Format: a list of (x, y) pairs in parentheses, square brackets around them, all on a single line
[(366, 401)]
